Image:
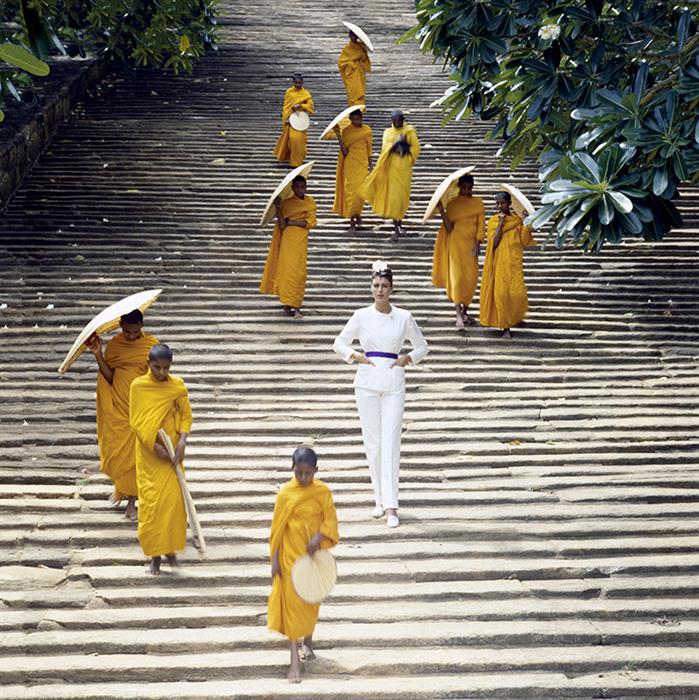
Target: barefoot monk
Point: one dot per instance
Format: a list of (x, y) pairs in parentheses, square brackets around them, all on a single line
[(304, 520), (353, 65), (292, 143), (160, 400), (123, 359), (353, 164)]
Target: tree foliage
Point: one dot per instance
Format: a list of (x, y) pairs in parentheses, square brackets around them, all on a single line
[(168, 34), (604, 95)]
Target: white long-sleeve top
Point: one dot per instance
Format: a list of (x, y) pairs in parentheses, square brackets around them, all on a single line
[(381, 332)]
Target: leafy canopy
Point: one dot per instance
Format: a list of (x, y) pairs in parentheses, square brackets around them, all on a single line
[(604, 95), (166, 34)]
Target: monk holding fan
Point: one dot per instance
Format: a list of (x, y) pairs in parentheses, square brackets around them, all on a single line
[(353, 164), (503, 300), (293, 141), (353, 65), (123, 360), (304, 520), (160, 400)]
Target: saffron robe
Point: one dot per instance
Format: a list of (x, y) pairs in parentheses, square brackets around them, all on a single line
[(353, 65), (162, 521), (388, 186), (285, 270), (352, 170), (503, 299), (292, 143), (128, 359), (454, 267), (299, 513)]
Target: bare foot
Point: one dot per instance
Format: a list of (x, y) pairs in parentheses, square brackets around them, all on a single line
[(131, 512), (459, 322), (297, 313), (507, 334), (295, 667), (469, 320), (287, 310), (307, 653), (172, 559), (154, 567)]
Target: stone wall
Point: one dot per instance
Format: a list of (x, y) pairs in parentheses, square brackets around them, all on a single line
[(33, 133)]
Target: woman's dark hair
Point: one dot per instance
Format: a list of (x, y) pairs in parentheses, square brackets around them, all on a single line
[(298, 178), (388, 274), (465, 179), (504, 195), (160, 352), (304, 455)]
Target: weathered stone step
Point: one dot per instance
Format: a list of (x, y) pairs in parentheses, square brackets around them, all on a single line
[(545, 685)]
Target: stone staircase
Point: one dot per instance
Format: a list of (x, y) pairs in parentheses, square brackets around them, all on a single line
[(548, 545)]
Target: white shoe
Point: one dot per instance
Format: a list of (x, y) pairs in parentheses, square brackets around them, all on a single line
[(377, 512), (392, 521)]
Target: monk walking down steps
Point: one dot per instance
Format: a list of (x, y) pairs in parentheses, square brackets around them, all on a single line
[(124, 358), (160, 400), (304, 520), (503, 299)]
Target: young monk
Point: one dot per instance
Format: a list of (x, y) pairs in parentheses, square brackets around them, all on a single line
[(304, 520), (387, 188), (503, 299), (353, 65), (285, 270), (160, 400), (457, 247), (124, 358), (353, 164), (291, 145)]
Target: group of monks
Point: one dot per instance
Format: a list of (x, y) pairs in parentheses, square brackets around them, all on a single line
[(386, 186), (136, 398)]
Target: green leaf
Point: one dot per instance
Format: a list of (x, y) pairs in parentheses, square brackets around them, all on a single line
[(21, 58), (2, 116), (606, 211), (620, 201)]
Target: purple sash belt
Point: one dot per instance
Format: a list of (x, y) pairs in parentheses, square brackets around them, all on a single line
[(376, 353)]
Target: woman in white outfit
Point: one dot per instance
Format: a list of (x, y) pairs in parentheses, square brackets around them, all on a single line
[(379, 385)]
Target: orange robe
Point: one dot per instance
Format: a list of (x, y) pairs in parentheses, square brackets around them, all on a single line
[(352, 170), (292, 144), (285, 270), (299, 513), (503, 299), (387, 188), (162, 521), (454, 267), (353, 65), (116, 441)]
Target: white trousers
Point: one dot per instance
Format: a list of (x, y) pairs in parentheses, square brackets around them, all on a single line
[(381, 416)]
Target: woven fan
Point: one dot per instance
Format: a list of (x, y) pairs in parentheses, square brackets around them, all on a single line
[(314, 576)]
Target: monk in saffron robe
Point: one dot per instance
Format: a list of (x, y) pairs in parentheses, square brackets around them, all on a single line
[(503, 300), (388, 186), (353, 164), (285, 270), (291, 145), (353, 65), (457, 247), (304, 520), (124, 358), (160, 400)]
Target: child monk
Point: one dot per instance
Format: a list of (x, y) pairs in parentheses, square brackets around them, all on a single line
[(304, 520), (292, 143), (353, 165), (503, 299), (353, 65), (160, 400), (286, 267), (456, 249), (122, 360)]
